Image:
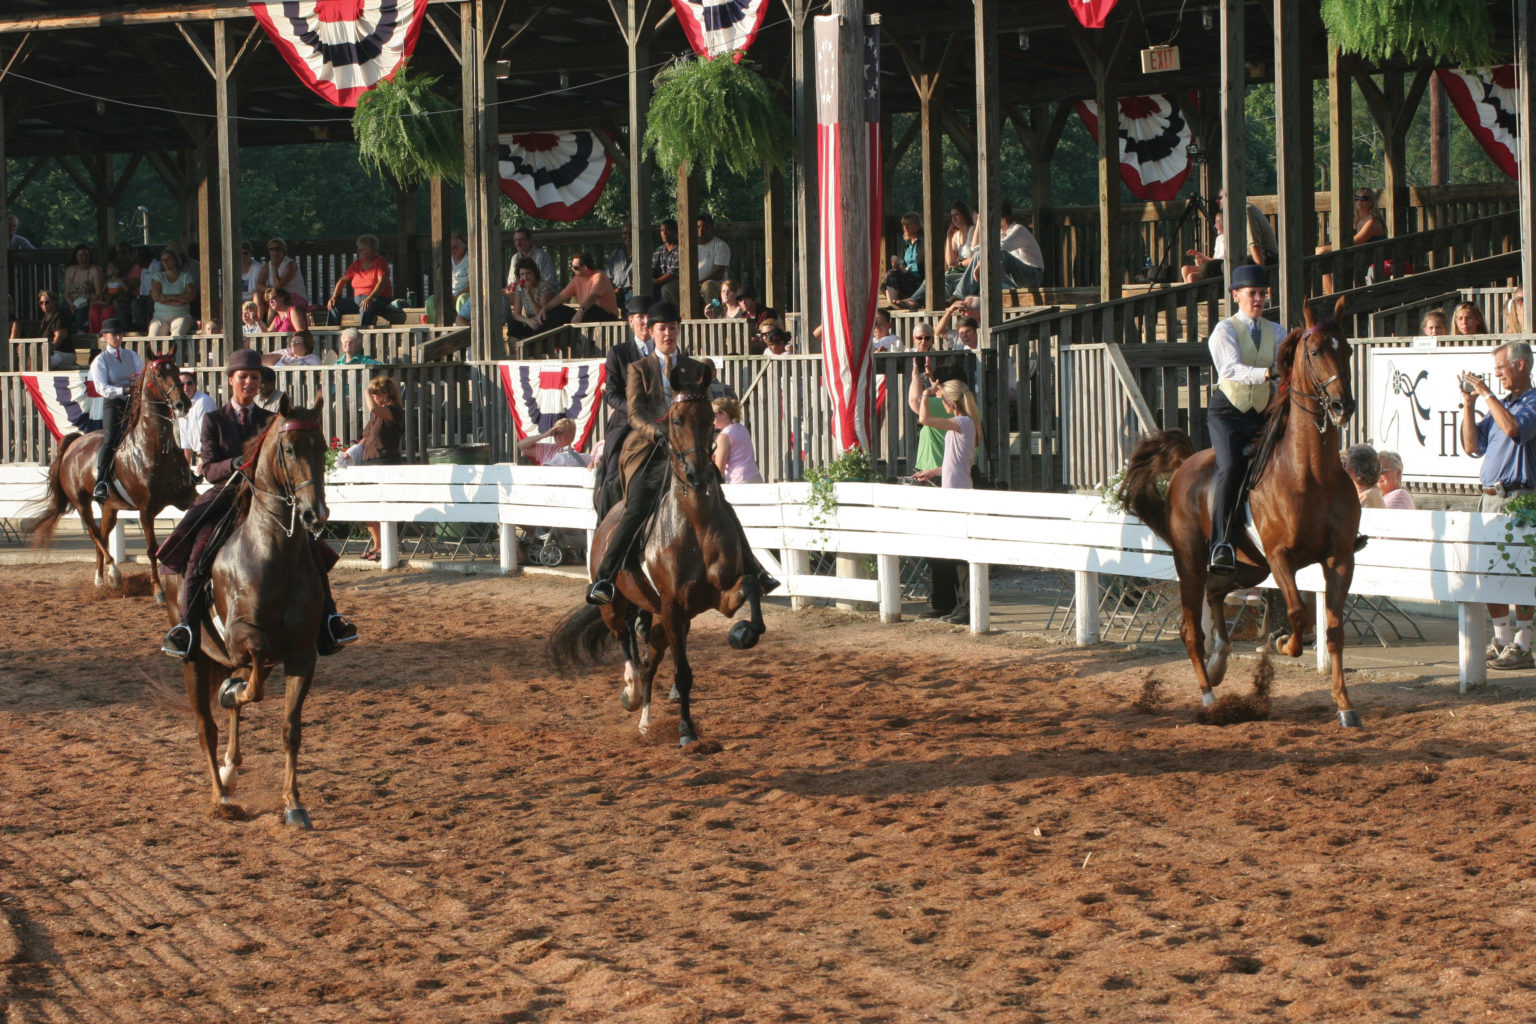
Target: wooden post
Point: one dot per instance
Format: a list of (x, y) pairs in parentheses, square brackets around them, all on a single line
[(442, 257), (482, 204), (807, 220), (1295, 178), (1111, 261), (1525, 52), (989, 172), (1341, 152), (1085, 586), (5, 253), (642, 234), (404, 273), (1439, 135), (935, 208), (1234, 130), (207, 217), (100, 168), (226, 308), (1395, 174), (776, 261), (687, 247), (888, 572)]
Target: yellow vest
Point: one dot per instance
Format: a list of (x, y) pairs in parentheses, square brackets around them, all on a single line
[(1252, 397)]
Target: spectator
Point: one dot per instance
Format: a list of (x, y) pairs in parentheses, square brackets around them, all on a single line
[(727, 305), (1368, 226), (1022, 265), (734, 455), (300, 352), (1263, 246), (1514, 315), (774, 339), (372, 290), (964, 333), (593, 292), (190, 432), (1393, 493), (130, 272), (383, 435), (553, 446), (112, 373), (118, 292), (1202, 265), (458, 249), (1505, 440), (930, 456), (267, 395), (713, 255), (352, 349), (249, 324), (18, 242), (173, 292), (143, 304), (960, 241), (524, 249), (1434, 324), (664, 264), (280, 271), (286, 317), (58, 327), (961, 429), (883, 333), (85, 291), (906, 271), (528, 295), (1364, 468), (1466, 318), (250, 270), (753, 311), (620, 266)]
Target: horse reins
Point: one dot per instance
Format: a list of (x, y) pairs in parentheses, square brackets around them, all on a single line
[(678, 398), (1320, 416), (291, 496)]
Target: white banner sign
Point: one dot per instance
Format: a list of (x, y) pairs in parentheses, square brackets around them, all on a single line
[(1412, 406)]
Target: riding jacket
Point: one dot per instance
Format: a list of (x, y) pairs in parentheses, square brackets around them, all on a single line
[(1243, 351)]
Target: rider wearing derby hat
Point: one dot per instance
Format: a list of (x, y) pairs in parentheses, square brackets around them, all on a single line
[(112, 374), (649, 388), (1243, 347), (190, 548)]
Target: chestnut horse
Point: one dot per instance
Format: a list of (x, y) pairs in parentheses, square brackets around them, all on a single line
[(150, 472), (1304, 507), (268, 598), (694, 560)]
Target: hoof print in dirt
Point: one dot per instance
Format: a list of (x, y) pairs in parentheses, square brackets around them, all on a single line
[(702, 748)]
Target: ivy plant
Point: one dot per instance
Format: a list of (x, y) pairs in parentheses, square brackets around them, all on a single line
[(1519, 533), (406, 129), (705, 113), (851, 466)]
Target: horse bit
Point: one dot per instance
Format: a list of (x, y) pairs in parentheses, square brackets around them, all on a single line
[(290, 497)]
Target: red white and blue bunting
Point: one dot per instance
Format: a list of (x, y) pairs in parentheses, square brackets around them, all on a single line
[(1488, 101), (542, 391), (715, 27), (342, 48), (553, 175), (67, 402), (1154, 144)]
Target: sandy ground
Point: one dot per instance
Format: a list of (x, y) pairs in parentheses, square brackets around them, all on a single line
[(903, 823)]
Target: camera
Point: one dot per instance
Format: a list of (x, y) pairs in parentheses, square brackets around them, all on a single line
[(1467, 388)]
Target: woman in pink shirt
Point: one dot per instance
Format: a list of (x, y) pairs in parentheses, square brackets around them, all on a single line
[(734, 455)]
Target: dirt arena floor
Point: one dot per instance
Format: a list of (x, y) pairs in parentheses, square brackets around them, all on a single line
[(902, 823)]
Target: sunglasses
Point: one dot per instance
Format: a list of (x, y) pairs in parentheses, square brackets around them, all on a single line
[(1364, 199)]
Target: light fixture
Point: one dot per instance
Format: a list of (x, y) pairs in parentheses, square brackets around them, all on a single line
[(565, 81), (1023, 40), (1205, 19)]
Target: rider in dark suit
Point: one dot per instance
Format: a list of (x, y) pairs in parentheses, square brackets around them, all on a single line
[(648, 390), (226, 431), (608, 484)]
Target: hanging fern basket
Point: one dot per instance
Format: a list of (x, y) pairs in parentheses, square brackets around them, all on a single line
[(1455, 33), (405, 129), (705, 113)]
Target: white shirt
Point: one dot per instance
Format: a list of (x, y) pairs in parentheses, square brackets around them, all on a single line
[(190, 431), (889, 343), (112, 371), (711, 254), (1020, 242), (541, 259), (546, 454), (1227, 356)]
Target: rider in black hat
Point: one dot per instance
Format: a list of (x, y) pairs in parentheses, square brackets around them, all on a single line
[(112, 373), (606, 483)]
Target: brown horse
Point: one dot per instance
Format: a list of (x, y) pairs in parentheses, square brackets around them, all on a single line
[(267, 597), (150, 471), (1304, 507), (694, 560)]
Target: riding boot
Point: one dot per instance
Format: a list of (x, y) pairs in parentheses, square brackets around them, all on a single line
[(644, 490), (184, 637), (336, 630)]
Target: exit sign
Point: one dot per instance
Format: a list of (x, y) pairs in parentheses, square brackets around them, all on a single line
[(1159, 58)]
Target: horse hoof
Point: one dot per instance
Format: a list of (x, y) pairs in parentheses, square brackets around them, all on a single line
[(230, 690), (743, 636), (685, 739), (1349, 719), (1207, 699), (674, 695), (160, 598), (297, 817), (114, 578), (625, 699)]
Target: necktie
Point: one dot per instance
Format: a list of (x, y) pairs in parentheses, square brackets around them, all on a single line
[(245, 415), (666, 379), (1256, 333)]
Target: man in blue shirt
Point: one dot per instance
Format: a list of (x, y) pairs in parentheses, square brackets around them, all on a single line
[(1505, 440)]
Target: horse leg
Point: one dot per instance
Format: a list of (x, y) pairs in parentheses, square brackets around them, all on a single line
[(195, 674), (1214, 618), (93, 531), (744, 634), (147, 524), (629, 693), (1192, 600), (298, 679), (655, 647), (675, 623), (104, 549), (1295, 609), (1337, 573)]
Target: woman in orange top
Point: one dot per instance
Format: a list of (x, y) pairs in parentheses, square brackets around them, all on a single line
[(595, 298), (371, 289)]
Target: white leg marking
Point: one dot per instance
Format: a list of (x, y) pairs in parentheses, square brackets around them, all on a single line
[(1207, 698), (98, 577), (114, 578), (645, 720), (228, 771)]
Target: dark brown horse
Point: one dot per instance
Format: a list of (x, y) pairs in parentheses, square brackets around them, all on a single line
[(694, 560), (150, 470), (1304, 507), (267, 598)]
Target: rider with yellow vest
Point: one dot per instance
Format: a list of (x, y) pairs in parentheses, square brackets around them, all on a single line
[(1243, 347)]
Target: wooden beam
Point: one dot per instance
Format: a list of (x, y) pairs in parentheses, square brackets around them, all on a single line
[(6, 308), (1341, 151), (1525, 52), (1234, 164), (776, 262), (226, 307), (641, 232), (442, 256), (1107, 98), (687, 245), (118, 17), (806, 216), (988, 174), (1294, 178)]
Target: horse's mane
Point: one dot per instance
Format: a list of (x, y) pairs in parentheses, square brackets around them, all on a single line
[(1280, 409), (250, 452), (136, 399)]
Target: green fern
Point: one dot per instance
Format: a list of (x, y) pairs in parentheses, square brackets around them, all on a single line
[(1457, 33), (705, 113), (403, 127)]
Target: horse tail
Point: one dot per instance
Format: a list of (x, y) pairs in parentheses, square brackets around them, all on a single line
[(1142, 489), (580, 639), (46, 512)]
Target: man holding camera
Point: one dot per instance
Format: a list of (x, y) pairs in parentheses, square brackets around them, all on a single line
[(1505, 440)]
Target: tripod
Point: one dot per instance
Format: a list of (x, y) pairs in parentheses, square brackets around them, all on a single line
[(1167, 271)]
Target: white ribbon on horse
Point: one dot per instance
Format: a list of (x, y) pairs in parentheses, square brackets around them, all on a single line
[(67, 402), (539, 392), (342, 48), (1488, 100)]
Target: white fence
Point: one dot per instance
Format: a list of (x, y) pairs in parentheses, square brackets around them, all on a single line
[(1422, 556)]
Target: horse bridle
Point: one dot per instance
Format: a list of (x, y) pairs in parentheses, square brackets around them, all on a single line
[(1320, 416), (682, 457), (290, 495)]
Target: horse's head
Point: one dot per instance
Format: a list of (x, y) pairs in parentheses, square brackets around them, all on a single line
[(691, 424), (162, 382), (291, 463), (1315, 362)]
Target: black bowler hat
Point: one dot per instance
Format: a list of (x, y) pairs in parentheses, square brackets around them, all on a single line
[(664, 313), (638, 304), (1249, 275), (111, 325), (243, 359)]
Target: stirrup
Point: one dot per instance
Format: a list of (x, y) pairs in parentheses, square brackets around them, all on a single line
[(178, 642), (341, 629), (101, 492), (1223, 559), (601, 592)]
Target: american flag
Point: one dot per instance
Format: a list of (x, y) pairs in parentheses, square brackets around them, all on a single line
[(342, 48), (67, 402), (848, 187), (716, 27), (540, 392)]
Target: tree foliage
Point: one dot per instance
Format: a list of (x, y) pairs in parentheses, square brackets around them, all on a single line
[(1457, 33), (708, 113)]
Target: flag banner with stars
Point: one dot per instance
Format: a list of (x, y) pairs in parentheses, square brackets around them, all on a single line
[(342, 48)]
